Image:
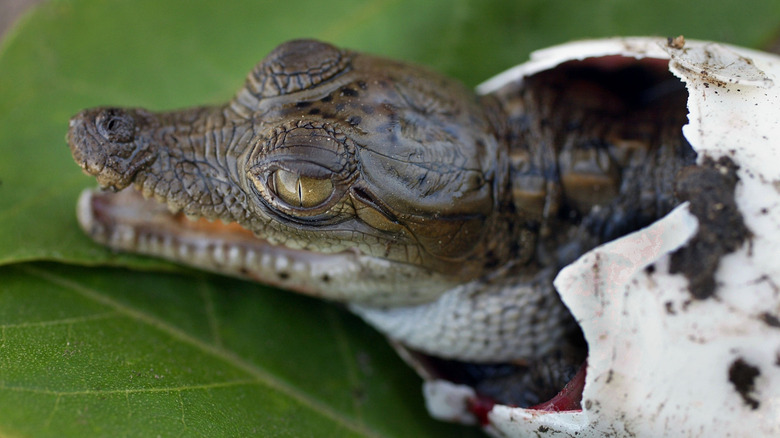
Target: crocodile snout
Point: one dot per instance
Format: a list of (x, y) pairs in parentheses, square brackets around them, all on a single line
[(105, 143)]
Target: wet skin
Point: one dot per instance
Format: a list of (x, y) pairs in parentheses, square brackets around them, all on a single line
[(439, 216)]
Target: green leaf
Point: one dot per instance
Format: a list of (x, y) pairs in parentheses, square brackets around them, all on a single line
[(95, 354), (117, 352)]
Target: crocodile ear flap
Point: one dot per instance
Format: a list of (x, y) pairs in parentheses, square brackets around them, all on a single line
[(294, 66)]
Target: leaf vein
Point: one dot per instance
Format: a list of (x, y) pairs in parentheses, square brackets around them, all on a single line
[(181, 405), (63, 321), (53, 411), (211, 315)]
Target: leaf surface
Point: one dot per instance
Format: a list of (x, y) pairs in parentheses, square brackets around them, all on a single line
[(96, 354)]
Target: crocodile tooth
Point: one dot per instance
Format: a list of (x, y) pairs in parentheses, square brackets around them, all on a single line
[(265, 260), (124, 236), (281, 263), (168, 246), (250, 259), (301, 268), (199, 254), (218, 254), (184, 251), (233, 257)]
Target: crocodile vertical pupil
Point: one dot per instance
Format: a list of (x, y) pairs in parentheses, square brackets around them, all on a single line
[(301, 191)]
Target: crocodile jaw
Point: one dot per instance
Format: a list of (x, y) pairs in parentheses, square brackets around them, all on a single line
[(128, 222)]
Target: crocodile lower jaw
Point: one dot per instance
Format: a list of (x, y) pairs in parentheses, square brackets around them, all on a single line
[(126, 221)]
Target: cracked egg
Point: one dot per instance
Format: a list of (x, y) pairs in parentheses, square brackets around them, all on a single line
[(682, 318)]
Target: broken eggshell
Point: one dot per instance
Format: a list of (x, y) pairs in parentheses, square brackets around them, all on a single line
[(663, 359)]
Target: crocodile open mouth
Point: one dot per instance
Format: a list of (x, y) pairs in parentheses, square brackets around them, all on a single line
[(126, 221)]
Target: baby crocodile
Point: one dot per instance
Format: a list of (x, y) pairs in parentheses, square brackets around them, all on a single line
[(439, 216)]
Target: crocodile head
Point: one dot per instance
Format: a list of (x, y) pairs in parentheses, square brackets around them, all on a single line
[(334, 173)]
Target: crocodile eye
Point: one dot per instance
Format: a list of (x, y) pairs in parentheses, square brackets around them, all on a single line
[(301, 191)]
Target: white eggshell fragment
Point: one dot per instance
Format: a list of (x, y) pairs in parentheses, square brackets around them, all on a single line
[(448, 401), (663, 362)]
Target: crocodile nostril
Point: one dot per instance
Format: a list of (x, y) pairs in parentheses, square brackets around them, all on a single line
[(115, 125)]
